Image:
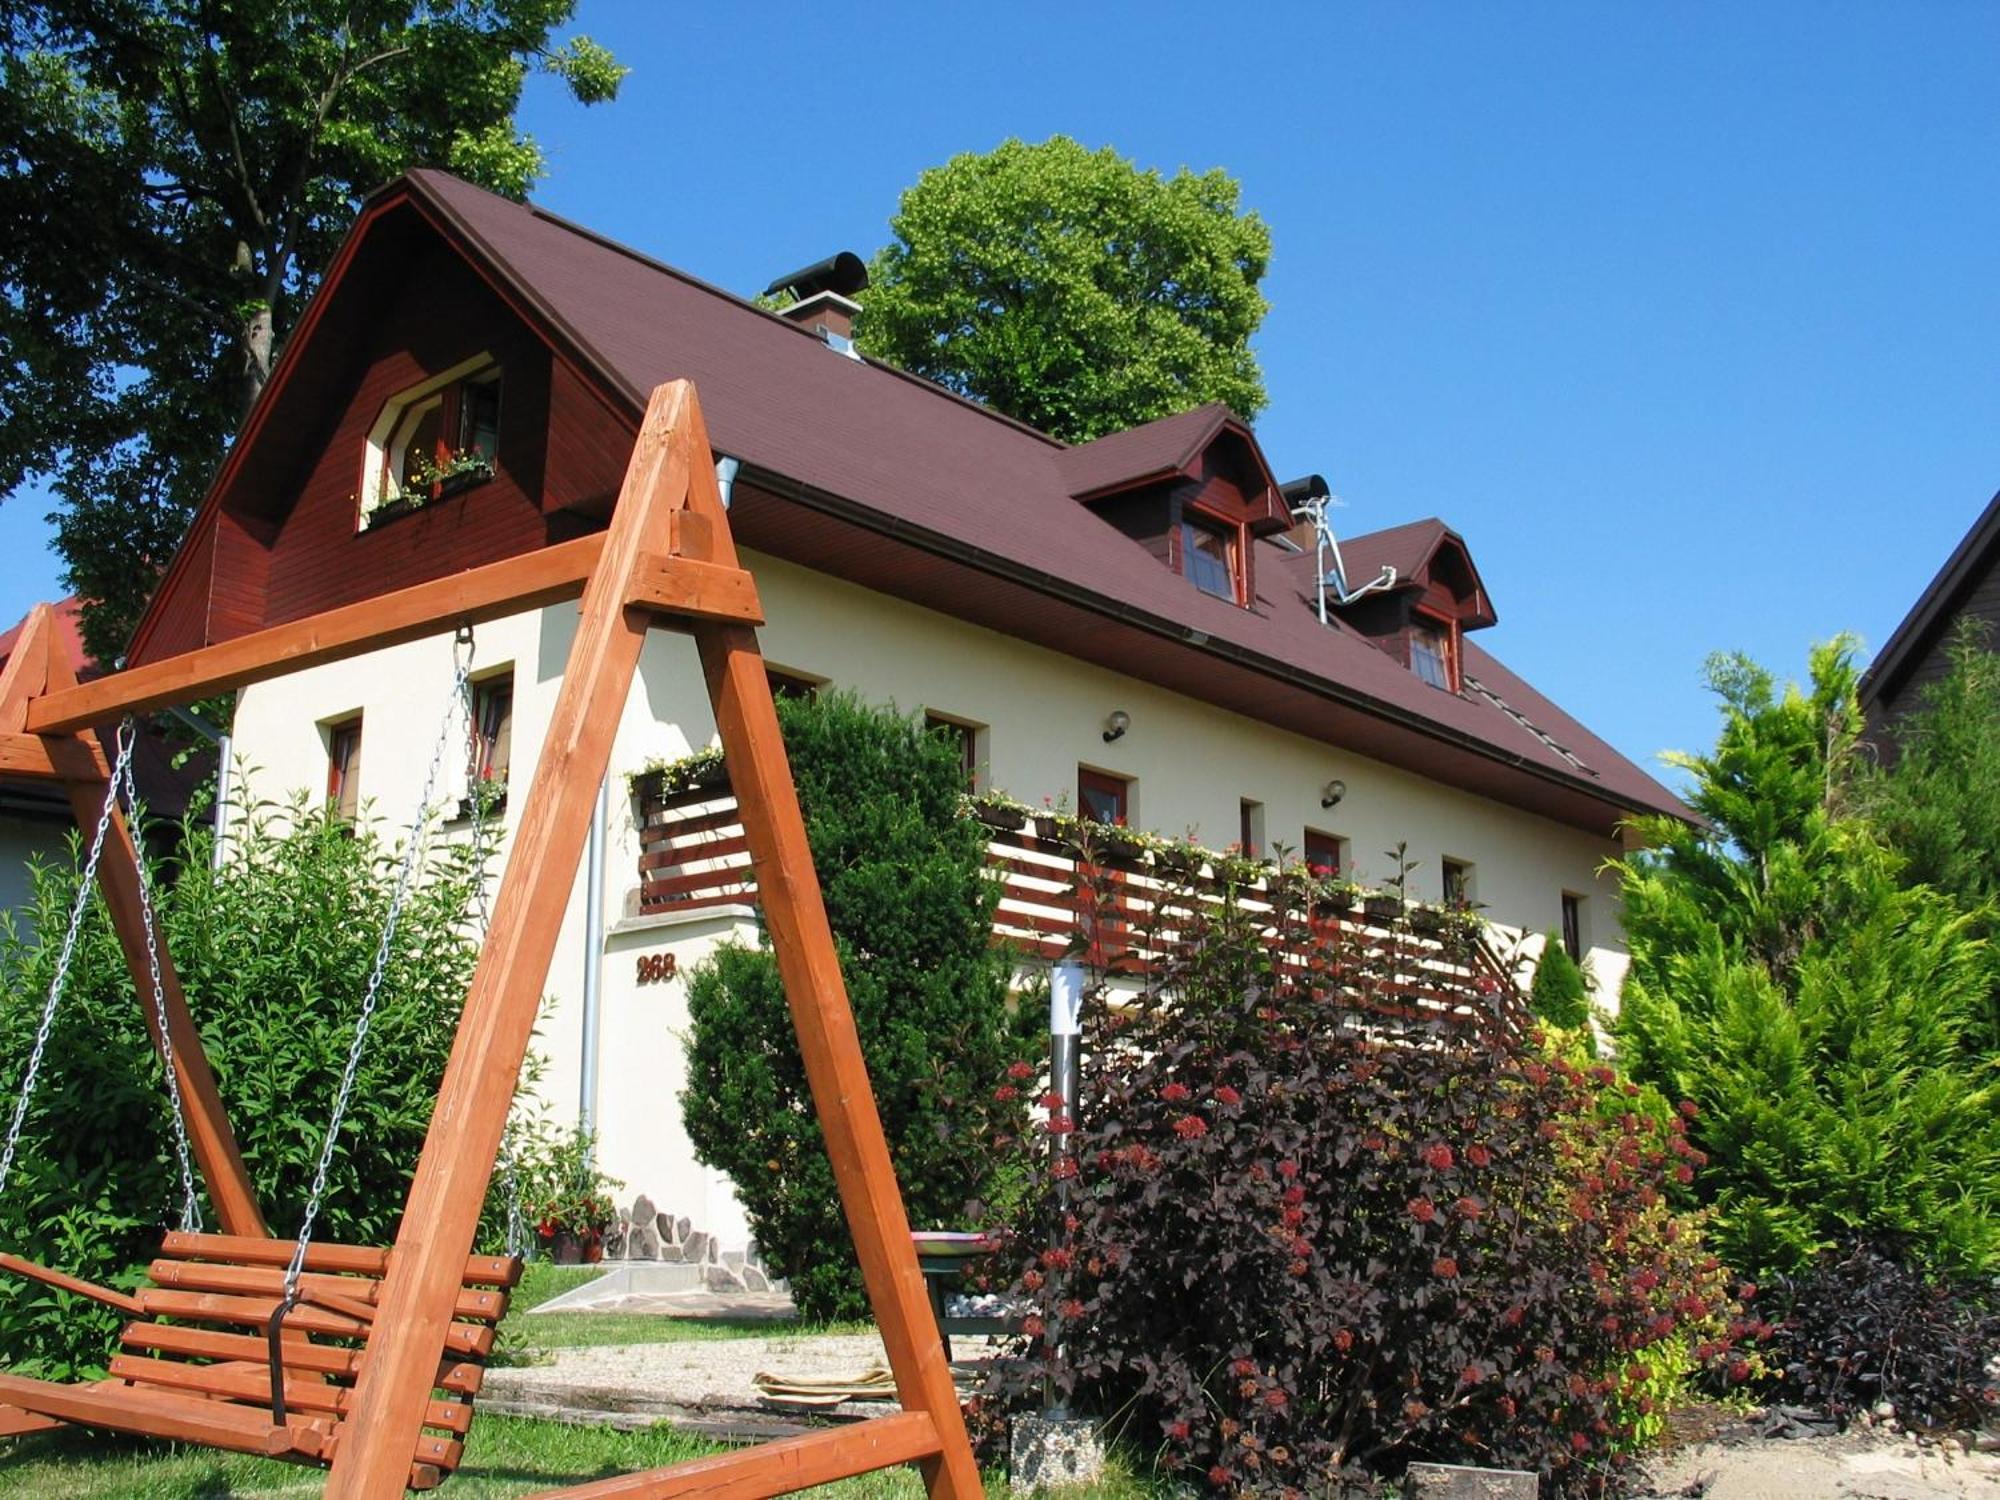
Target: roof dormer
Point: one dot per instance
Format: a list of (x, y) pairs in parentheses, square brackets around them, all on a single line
[(1193, 489)]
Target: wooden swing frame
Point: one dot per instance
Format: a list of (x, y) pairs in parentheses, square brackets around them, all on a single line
[(667, 558)]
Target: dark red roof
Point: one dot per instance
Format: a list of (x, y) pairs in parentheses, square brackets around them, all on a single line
[(1152, 450), (949, 477)]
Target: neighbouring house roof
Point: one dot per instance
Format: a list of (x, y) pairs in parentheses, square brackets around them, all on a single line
[(911, 488), (164, 788), (1974, 561)]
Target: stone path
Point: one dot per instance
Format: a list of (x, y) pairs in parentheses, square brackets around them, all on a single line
[(1855, 1465)]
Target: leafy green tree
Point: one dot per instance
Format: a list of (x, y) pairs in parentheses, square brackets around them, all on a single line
[(1070, 289), (274, 950), (177, 177), (1560, 991), (903, 874), (1821, 1013)]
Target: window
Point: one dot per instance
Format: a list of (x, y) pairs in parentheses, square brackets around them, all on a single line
[(1573, 925), (1458, 890), (793, 684), (1208, 558), (435, 440), (1324, 853), (492, 728), (1250, 827), (964, 739), (343, 768), (1103, 798), (1434, 654)]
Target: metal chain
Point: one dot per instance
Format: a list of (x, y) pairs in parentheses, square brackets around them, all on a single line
[(510, 1177), (414, 845), (190, 1200), (84, 886)]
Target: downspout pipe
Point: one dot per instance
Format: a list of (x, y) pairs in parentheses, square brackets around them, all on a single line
[(593, 958)]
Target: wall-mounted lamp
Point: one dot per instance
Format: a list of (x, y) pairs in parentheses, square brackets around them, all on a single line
[(1332, 792), (1115, 725)]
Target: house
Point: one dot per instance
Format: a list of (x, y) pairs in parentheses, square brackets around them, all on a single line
[(1967, 587), (1129, 625), (36, 819)]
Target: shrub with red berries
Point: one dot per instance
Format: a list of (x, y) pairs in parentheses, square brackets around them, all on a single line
[(1313, 1232)]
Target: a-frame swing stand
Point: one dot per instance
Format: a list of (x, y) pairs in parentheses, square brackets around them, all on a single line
[(666, 559)]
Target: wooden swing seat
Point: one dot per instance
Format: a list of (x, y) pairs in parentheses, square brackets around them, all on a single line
[(196, 1365)]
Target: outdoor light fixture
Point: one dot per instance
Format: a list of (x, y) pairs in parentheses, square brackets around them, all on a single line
[(1115, 725), (1332, 792)]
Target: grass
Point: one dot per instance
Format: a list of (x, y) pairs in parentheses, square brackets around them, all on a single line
[(504, 1457), (523, 1337)]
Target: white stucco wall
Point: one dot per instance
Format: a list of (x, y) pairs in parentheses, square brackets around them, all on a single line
[(1190, 764)]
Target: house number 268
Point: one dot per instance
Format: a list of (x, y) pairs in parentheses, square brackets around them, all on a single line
[(656, 968)]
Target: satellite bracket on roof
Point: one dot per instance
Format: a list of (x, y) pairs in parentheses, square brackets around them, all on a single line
[(1335, 577)]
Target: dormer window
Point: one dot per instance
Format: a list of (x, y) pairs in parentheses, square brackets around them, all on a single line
[(1211, 558), (434, 440), (1434, 653)]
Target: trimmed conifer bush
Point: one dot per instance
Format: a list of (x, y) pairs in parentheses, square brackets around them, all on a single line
[(1307, 1234), (903, 874), (1560, 992)]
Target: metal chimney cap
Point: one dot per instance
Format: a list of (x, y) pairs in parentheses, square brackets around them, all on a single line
[(1299, 492), (845, 274)]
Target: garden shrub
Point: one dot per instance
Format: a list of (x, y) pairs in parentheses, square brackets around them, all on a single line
[(1862, 1326), (1560, 991), (273, 950), (1825, 1015), (1307, 1236), (903, 874)]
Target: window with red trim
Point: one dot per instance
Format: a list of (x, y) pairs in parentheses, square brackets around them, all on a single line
[(443, 440), (962, 737), (1434, 652), (1212, 557), (1103, 798), (1324, 853), (343, 768)]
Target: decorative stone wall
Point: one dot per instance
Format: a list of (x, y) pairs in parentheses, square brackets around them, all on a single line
[(646, 1232)]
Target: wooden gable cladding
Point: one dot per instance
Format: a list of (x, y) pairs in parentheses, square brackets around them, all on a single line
[(441, 315)]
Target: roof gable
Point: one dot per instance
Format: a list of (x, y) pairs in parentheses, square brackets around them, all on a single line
[(1973, 560)]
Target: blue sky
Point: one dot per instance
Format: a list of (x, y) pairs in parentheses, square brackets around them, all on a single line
[(1687, 317)]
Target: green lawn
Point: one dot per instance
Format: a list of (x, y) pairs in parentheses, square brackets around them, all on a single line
[(505, 1456), (521, 1336)]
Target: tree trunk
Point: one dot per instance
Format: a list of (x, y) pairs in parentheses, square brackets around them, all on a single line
[(257, 341)]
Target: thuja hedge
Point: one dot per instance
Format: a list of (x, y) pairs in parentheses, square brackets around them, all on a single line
[(274, 950), (904, 879), (1302, 1238)]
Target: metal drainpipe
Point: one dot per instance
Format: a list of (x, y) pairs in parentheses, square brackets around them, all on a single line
[(222, 747), (593, 956)]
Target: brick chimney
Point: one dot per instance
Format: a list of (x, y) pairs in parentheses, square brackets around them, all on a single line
[(823, 298)]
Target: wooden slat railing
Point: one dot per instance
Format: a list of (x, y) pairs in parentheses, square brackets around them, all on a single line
[(1060, 898)]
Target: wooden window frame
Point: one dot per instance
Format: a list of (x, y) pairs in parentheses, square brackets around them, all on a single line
[(966, 735), (1250, 827), (343, 766), (1462, 873), (388, 441), (1233, 535), (1317, 841), (495, 742), (1104, 783), (786, 684), (1572, 924), (1447, 633)]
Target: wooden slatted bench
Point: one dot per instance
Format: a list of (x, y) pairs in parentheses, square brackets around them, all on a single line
[(196, 1360)]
